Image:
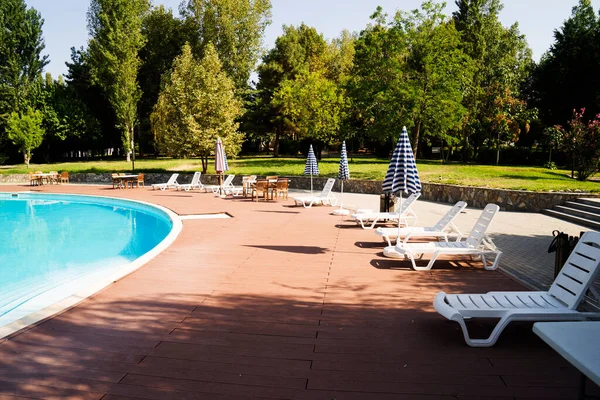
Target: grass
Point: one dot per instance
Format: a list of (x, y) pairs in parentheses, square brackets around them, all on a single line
[(517, 178)]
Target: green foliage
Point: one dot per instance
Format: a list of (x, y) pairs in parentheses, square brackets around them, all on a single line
[(582, 141), (235, 28), (26, 131), (21, 60), (197, 104), (116, 30), (551, 165)]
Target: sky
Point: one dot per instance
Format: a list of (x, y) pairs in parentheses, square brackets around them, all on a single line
[(65, 20)]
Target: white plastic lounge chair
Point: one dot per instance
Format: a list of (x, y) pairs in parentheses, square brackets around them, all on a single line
[(478, 244), (557, 304), (216, 188), (442, 229), (194, 184), (402, 216), (325, 198), (172, 183)]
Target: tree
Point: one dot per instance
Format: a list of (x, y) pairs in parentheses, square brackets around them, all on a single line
[(25, 130), (235, 29), (21, 60), (502, 62), (165, 36), (197, 104), (566, 77), (436, 70), (116, 30), (582, 141), (315, 105)]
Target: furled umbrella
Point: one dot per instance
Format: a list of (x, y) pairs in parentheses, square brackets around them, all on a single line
[(220, 162), (311, 168), (402, 174), (343, 175)]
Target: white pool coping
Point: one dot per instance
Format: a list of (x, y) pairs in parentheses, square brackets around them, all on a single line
[(99, 283)]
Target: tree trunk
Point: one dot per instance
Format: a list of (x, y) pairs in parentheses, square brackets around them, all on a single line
[(204, 164), (498, 150), (276, 145), (132, 143), (415, 145), (26, 157)]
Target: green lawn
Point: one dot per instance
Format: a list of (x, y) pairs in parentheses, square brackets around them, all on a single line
[(529, 178)]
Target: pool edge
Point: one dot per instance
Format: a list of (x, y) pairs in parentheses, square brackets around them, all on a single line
[(34, 319)]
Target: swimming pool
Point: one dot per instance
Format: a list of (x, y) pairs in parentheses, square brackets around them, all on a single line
[(55, 246)]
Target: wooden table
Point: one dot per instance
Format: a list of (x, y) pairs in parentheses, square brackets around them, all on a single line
[(44, 175), (125, 180), (578, 343)]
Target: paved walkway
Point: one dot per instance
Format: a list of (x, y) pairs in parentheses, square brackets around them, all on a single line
[(282, 302)]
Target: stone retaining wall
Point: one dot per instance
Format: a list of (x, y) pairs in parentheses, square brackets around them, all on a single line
[(508, 200)]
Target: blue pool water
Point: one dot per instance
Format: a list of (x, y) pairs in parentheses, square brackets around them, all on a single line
[(51, 241)]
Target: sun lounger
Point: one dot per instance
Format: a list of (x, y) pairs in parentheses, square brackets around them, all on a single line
[(194, 184), (442, 229), (325, 198), (171, 184), (402, 216), (477, 244), (217, 188), (557, 304)]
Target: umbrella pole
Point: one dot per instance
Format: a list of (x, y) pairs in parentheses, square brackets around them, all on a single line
[(399, 210), (311, 192), (342, 196)]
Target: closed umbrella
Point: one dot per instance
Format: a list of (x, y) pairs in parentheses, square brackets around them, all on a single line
[(220, 162), (311, 168), (343, 175), (402, 174)]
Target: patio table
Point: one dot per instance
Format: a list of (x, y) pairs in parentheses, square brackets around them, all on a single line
[(125, 180), (43, 176), (578, 343)]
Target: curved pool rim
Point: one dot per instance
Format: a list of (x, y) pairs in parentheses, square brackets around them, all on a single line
[(100, 284)]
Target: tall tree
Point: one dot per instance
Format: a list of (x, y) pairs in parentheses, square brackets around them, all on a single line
[(25, 130), (197, 104), (115, 27), (567, 76), (502, 61), (21, 59), (235, 28), (436, 70)]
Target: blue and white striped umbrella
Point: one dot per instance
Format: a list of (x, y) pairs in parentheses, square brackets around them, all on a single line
[(344, 173), (311, 168), (402, 174)]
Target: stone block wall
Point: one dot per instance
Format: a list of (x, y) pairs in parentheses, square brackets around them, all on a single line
[(508, 200)]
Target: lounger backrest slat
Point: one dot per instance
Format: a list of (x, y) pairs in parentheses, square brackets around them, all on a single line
[(172, 179), (579, 271), (481, 226), (447, 219), (327, 188), (228, 180), (195, 178), (409, 202)]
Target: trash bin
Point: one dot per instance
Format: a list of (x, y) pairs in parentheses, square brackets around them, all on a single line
[(563, 245), (387, 202)]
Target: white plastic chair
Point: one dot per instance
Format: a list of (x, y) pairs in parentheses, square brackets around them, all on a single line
[(325, 198), (402, 216), (171, 183), (557, 304), (477, 244), (441, 229), (194, 184)]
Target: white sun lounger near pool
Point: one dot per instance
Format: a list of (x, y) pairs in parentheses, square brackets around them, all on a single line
[(194, 184), (402, 216), (557, 304), (442, 229), (216, 188), (171, 184), (477, 244), (325, 198)]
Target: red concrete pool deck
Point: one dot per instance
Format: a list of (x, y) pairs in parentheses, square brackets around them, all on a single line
[(278, 302)]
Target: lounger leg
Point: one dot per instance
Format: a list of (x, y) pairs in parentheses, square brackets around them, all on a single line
[(429, 265), (496, 261), (491, 340)]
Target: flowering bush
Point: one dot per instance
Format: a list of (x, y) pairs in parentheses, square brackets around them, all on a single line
[(582, 141)]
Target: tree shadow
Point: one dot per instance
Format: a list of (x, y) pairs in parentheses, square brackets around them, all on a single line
[(293, 249)]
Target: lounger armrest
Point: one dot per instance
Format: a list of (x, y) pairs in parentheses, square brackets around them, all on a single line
[(440, 305)]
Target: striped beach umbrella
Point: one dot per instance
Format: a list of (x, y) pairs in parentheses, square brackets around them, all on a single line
[(402, 174), (343, 175), (220, 162), (311, 168)]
